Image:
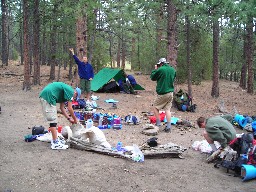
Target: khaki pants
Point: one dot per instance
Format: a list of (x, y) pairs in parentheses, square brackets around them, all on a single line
[(49, 111), (164, 101)]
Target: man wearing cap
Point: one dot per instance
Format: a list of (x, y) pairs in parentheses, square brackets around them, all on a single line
[(53, 93), (164, 75)]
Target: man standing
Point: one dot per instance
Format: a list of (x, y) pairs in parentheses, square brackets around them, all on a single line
[(164, 75), (217, 128), (53, 93), (86, 74)]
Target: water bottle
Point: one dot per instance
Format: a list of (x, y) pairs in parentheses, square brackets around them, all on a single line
[(100, 120), (119, 146), (89, 123)]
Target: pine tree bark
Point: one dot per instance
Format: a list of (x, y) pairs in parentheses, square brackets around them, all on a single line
[(53, 45), (249, 55), (4, 33), (172, 33), (26, 83), (118, 54), (242, 83), (159, 29), (215, 79), (123, 54), (81, 41), (36, 26), (188, 56)]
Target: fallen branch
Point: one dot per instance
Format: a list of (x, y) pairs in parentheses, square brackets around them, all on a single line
[(167, 150), (84, 145)]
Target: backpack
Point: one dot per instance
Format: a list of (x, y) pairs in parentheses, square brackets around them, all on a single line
[(37, 130), (130, 119), (246, 153), (183, 101)]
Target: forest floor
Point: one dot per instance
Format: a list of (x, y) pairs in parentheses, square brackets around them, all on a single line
[(34, 166)]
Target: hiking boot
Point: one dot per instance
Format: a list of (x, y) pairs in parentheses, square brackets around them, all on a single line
[(58, 145), (167, 130)]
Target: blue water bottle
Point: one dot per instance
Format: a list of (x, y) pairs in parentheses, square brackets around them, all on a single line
[(119, 146)]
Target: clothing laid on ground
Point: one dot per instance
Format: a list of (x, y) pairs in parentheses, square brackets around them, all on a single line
[(57, 92), (220, 129), (85, 70), (164, 76)]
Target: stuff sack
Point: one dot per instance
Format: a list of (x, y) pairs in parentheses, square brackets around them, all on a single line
[(130, 119), (183, 101), (37, 130)]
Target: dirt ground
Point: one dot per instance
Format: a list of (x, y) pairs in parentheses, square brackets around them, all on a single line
[(35, 167)]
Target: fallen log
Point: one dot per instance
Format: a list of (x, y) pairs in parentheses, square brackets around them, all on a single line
[(84, 145), (161, 151)]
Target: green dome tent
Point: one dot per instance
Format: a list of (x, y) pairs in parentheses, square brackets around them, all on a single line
[(105, 75)]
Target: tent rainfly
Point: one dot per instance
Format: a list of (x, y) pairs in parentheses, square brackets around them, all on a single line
[(105, 75)]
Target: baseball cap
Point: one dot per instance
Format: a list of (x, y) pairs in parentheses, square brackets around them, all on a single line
[(161, 60)]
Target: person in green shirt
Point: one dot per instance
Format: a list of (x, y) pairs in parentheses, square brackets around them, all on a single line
[(53, 93), (217, 128), (164, 75)]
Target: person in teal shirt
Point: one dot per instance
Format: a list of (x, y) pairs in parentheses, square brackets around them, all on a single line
[(164, 75), (53, 93)]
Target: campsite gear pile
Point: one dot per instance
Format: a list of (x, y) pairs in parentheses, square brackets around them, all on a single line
[(183, 101), (82, 104), (104, 120), (245, 122), (239, 156)]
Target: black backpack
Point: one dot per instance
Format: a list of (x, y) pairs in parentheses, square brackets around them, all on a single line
[(36, 130)]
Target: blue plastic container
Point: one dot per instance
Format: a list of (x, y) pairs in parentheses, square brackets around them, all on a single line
[(248, 172), (254, 125), (241, 120), (119, 146)]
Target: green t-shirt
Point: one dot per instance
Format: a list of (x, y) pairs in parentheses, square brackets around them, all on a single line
[(57, 92), (164, 76)]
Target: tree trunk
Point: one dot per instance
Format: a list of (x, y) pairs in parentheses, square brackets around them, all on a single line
[(110, 50), (26, 83), (188, 56), (172, 33), (81, 36), (242, 83), (21, 37), (123, 54), (249, 55), (81, 40), (36, 62), (4, 33), (53, 44), (43, 46), (138, 50), (133, 65), (118, 56), (215, 78), (159, 29), (53, 52)]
